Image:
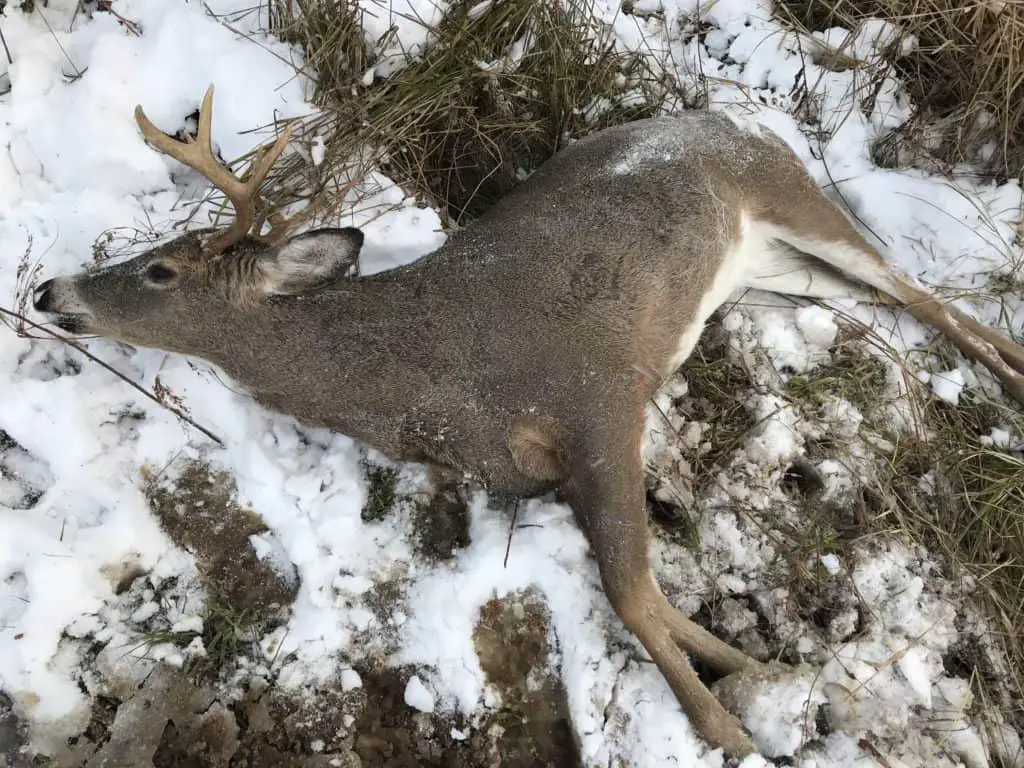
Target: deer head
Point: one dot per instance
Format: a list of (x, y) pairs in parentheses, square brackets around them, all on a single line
[(206, 273)]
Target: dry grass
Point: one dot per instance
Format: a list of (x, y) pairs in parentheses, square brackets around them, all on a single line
[(975, 520), (972, 520), (493, 94), (966, 75), (973, 517)]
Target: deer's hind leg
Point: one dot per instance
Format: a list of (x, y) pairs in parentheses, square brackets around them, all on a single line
[(809, 222), (788, 271), (605, 489)]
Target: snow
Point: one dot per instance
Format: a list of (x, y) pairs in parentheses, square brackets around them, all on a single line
[(817, 324), (947, 385), (350, 680), (73, 515), (777, 715), (418, 696), (398, 29), (1000, 438), (831, 563)]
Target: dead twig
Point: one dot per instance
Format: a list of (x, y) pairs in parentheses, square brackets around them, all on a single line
[(23, 321), (511, 530)]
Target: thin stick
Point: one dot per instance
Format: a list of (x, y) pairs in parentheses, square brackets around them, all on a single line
[(75, 345), (7, 51), (78, 72), (511, 528)]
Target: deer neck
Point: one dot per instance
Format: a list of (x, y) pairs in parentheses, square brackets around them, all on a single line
[(349, 358)]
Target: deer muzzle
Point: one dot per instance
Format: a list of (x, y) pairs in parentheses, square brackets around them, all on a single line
[(59, 298)]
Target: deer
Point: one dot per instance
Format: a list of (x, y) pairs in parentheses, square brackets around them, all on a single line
[(519, 354)]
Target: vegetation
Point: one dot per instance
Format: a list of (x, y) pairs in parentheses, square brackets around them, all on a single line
[(497, 90), (963, 64)]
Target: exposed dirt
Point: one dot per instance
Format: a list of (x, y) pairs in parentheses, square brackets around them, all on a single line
[(169, 717), (199, 513), (531, 727), (10, 730), (441, 527), (513, 644), (309, 729), (171, 720)]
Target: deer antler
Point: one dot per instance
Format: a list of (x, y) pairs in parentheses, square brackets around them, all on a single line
[(198, 154)]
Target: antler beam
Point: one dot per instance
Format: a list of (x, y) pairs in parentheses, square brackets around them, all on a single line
[(198, 154)]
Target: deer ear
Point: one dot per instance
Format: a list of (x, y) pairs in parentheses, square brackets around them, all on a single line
[(312, 260)]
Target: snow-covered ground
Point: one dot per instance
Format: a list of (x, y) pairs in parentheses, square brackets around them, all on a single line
[(72, 508)]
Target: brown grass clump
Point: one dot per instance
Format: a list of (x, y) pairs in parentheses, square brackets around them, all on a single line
[(946, 483), (941, 481), (975, 519), (966, 74), (497, 89)]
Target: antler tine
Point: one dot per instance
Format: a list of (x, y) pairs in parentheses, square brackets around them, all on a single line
[(265, 159), (260, 166), (204, 131), (198, 154)]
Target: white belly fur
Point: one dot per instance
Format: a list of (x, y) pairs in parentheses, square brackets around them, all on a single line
[(734, 272)]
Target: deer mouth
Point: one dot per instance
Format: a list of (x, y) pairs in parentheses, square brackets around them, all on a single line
[(76, 324), (47, 299)]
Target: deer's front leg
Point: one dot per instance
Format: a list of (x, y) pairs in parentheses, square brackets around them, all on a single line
[(605, 489)]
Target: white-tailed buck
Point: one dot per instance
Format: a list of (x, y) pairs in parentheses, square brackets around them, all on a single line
[(522, 351)]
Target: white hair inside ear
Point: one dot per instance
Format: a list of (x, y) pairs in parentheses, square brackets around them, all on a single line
[(312, 260)]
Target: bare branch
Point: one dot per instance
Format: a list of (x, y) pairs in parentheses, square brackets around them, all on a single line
[(21, 320)]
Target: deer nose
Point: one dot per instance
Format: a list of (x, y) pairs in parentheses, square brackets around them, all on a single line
[(42, 299)]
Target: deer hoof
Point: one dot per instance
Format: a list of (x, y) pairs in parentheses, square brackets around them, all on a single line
[(776, 703)]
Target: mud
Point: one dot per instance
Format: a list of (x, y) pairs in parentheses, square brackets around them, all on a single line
[(530, 727), (200, 514), (173, 720), (162, 716)]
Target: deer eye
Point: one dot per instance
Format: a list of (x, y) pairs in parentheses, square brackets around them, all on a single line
[(160, 273)]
